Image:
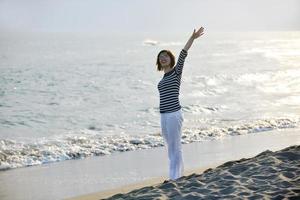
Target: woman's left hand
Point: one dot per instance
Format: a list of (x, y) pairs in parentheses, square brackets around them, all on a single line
[(198, 33), (195, 35)]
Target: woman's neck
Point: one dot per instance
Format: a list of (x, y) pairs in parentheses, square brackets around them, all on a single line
[(167, 69)]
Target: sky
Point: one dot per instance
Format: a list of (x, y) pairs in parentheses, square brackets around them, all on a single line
[(127, 16)]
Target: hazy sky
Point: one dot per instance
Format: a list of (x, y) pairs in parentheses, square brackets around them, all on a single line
[(123, 16)]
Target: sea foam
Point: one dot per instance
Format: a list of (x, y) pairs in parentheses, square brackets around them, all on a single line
[(14, 154)]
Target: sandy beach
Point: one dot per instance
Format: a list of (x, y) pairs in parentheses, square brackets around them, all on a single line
[(269, 175), (269, 168)]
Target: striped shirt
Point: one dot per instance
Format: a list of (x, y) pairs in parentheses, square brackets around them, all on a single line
[(169, 86)]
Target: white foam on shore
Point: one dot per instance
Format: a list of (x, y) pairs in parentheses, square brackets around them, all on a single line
[(14, 154)]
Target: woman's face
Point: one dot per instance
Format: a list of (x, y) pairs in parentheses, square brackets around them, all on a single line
[(164, 59)]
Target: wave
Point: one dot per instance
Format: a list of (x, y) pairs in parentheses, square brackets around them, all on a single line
[(14, 154), (281, 81), (150, 42), (196, 108)]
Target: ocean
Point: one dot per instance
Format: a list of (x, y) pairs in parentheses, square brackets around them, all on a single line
[(72, 96)]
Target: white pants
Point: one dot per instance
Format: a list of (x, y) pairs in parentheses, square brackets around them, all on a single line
[(171, 124)]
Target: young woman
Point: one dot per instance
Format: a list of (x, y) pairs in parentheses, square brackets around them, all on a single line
[(169, 106)]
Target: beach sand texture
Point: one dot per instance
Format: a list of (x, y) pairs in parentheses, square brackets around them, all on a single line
[(269, 175)]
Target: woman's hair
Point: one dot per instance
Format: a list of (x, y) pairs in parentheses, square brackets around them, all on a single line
[(159, 67)]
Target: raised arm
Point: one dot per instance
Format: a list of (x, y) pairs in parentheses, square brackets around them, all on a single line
[(194, 36), (184, 51)]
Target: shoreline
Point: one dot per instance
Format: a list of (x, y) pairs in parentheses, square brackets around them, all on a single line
[(79, 178), (266, 175), (235, 141)]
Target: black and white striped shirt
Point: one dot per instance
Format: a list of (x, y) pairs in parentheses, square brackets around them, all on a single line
[(169, 86)]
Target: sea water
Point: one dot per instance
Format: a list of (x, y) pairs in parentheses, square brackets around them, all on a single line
[(68, 96)]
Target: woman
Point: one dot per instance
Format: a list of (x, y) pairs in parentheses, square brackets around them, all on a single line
[(170, 108)]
